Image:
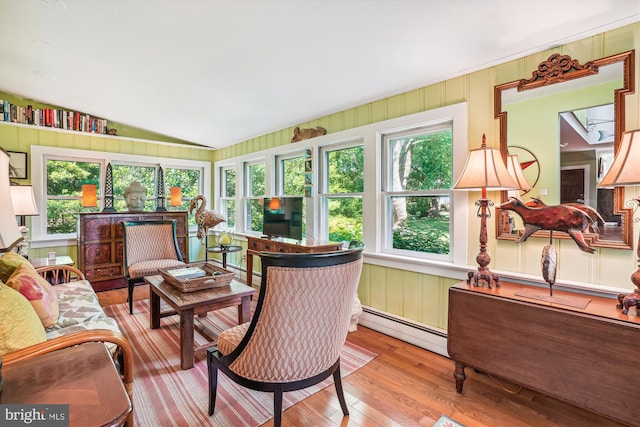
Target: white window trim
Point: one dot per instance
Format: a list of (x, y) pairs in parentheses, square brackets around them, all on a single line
[(39, 239), (372, 199)]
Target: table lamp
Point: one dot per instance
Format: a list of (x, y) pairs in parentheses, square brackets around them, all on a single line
[(485, 169), (175, 196), (625, 171), (89, 195), (9, 230), (24, 204)]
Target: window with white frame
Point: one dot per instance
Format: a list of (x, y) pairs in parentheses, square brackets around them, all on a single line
[(254, 194), (228, 195), (418, 190), (342, 190), (290, 175), (63, 197), (59, 174)]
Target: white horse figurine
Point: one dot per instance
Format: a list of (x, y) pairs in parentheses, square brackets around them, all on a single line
[(204, 219)]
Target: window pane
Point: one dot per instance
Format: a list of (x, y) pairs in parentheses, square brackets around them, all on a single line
[(230, 210), (61, 215), (187, 179), (65, 178), (64, 189), (423, 225), (255, 214), (346, 168), (256, 180), (345, 219), (422, 161), (229, 179), (293, 176)]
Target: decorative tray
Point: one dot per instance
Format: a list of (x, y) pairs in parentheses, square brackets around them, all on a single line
[(197, 276)]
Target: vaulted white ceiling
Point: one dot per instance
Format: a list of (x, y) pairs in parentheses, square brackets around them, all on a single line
[(217, 72)]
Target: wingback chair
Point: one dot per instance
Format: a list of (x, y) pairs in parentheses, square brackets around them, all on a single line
[(148, 247), (298, 328)]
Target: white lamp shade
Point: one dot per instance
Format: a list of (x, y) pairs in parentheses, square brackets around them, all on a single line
[(515, 171), (625, 169), (24, 202), (485, 169), (9, 229)]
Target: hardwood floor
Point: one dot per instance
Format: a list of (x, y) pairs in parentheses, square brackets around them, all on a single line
[(409, 386)]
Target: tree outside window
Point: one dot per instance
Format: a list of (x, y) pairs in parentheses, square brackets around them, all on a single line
[(255, 194), (420, 170), (343, 199), (64, 191)]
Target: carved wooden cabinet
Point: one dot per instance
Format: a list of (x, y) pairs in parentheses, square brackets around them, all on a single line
[(100, 250), (586, 357)]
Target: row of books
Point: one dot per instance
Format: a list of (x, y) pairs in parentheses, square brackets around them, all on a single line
[(51, 117)]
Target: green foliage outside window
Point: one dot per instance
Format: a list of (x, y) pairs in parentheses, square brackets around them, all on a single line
[(345, 176), (64, 189), (422, 163), (293, 176)]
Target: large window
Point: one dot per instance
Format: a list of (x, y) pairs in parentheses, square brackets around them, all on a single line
[(228, 196), (64, 181), (58, 176), (418, 189), (254, 173), (291, 176), (341, 195), (386, 184)]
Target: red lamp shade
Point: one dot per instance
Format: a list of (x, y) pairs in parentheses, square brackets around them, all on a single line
[(175, 196)]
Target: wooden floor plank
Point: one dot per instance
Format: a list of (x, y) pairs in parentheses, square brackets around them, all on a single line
[(407, 386)]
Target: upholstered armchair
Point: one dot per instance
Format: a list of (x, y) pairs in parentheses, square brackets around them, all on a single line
[(148, 247), (298, 329)]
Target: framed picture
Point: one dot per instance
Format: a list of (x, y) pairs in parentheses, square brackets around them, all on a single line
[(17, 165)]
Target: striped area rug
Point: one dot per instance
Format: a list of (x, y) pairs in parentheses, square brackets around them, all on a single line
[(165, 395)]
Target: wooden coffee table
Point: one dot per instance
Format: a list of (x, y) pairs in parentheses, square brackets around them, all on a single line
[(187, 304)]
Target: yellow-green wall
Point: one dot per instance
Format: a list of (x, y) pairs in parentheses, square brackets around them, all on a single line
[(423, 297), (415, 296)]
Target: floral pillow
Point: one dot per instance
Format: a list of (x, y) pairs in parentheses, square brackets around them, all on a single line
[(38, 291)]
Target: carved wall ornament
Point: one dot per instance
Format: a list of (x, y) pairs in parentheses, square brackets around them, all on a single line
[(302, 134), (558, 68)]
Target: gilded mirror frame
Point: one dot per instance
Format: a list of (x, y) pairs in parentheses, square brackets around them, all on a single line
[(558, 69)]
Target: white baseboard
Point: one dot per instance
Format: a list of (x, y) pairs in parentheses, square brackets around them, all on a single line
[(431, 339)]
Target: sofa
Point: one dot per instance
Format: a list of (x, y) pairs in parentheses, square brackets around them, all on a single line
[(54, 307)]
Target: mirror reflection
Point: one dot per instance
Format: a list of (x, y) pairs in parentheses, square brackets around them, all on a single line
[(564, 126)]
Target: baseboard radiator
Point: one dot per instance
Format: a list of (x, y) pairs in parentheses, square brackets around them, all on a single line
[(422, 336)]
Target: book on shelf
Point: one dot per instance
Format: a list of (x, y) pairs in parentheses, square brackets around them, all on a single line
[(187, 273)]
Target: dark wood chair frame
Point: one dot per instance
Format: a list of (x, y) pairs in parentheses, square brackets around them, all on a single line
[(131, 281), (216, 361)]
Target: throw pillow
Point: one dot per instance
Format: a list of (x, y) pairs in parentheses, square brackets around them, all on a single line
[(20, 326), (9, 262), (38, 292)]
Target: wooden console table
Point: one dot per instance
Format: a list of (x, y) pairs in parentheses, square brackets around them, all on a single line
[(586, 357), (255, 245)]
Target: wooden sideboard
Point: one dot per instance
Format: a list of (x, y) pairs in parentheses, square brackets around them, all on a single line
[(255, 245), (586, 357), (100, 254)]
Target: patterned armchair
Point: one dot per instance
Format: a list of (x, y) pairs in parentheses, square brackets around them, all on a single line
[(148, 247), (298, 329)]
